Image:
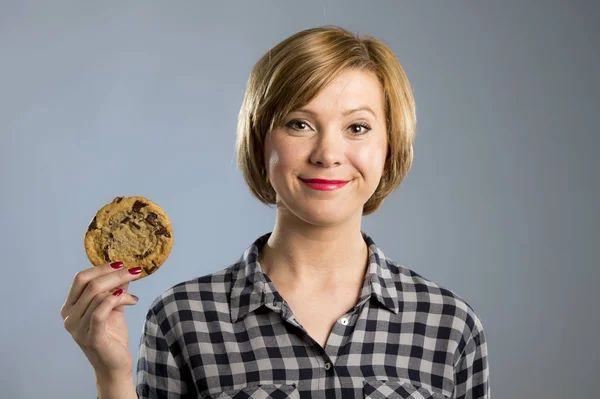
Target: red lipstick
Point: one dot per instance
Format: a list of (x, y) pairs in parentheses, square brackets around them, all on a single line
[(324, 185)]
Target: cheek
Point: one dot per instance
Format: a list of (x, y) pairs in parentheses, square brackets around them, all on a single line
[(271, 155), (283, 156), (273, 160), (370, 159)]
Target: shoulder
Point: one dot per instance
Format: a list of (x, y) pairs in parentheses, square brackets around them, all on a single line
[(456, 318), (205, 293)]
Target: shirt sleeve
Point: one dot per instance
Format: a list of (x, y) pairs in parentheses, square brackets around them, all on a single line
[(471, 374), (158, 374)]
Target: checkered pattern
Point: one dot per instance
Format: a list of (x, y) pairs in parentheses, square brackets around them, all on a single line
[(397, 389), (275, 391), (230, 334)]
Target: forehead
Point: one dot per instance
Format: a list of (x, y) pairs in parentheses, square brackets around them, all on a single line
[(350, 90)]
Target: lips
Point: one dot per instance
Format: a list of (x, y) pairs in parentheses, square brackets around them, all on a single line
[(324, 185)]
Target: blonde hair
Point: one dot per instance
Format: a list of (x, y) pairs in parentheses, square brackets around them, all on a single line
[(291, 74)]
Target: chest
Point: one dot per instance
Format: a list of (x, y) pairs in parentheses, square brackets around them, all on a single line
[(318, 315), (261, 355)]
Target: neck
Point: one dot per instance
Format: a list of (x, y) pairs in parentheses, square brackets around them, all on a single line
[(315, 258)]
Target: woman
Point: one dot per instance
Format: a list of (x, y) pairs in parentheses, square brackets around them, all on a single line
[(313, 309)]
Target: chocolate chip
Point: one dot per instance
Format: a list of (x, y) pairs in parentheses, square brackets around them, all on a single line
[(151, 269), (145, 254), (106, 256), (163, 232), (148, 252), (111, 236), (93, 225), (134, 224), (151, 218), (137, 206), (125, 220), (118, 199)]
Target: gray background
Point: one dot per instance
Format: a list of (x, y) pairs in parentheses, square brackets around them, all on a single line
[(138, 98)]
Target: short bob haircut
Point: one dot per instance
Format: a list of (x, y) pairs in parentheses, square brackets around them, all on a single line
[(291, 74)]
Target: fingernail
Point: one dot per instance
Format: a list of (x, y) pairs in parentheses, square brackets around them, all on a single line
[(118, 292), (135, 270), (135, 297), (116, 265)]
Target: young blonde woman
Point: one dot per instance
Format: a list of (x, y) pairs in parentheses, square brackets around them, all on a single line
[(313, 309)]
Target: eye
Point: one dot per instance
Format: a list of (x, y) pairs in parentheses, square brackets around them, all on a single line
[(366, 128), (357, 129), (296, 124)]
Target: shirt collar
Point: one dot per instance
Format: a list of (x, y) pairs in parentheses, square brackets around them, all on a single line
[(251, 288)]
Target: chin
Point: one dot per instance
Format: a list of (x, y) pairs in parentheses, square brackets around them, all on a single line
[(324, 216)]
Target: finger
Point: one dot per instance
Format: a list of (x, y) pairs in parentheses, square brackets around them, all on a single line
[(103, 284), (103, 305), (94, 319), (124, 287), (83, 277)]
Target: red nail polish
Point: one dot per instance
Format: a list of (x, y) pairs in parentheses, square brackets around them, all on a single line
[(116, 265), (135, 270), (118, 292)]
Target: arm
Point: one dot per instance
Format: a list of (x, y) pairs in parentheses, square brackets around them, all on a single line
[(123, 389), (471, 374), (159, 374)]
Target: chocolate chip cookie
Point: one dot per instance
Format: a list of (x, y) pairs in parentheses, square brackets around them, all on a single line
[(133, 230)]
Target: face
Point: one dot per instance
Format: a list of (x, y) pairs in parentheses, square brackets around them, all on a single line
[(326, 159)]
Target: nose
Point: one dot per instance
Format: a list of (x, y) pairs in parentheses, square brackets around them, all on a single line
[(328, 151)]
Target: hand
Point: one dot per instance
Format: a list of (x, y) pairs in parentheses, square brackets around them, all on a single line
[(93, 314)]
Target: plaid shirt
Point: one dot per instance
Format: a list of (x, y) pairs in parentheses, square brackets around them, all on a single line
[(231, 335)]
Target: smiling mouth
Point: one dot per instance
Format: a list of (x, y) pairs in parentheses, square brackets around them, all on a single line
[(324, 185)]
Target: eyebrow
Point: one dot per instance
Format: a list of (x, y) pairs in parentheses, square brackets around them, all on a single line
[(346, 112)]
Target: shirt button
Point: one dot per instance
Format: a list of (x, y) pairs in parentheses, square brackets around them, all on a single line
[(344, 321), (327, 366)]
